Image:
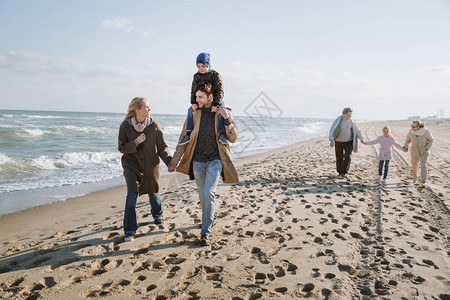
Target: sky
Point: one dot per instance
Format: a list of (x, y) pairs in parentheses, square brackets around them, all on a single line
[(385, 59)]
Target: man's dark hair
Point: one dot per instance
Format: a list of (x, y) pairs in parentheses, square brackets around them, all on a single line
[(204, 87), (347, 110)]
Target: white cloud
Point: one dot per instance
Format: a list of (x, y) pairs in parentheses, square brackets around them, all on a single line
[(122, 23), (34, 63), (440, 69), (54, 83), (148, 32), (45, 82)]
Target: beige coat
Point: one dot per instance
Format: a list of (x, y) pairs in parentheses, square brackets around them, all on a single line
[(186, 152), (420, 140)]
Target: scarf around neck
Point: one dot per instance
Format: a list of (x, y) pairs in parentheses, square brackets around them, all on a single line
[(139, 127), (419, 132)]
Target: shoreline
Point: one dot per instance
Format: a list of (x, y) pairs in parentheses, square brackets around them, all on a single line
[(289, 228), (95, 187)]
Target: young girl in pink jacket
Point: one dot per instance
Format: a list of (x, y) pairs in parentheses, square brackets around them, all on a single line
[(386, 141)]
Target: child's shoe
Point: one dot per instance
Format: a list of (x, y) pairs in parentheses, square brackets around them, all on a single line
[(223, 139)]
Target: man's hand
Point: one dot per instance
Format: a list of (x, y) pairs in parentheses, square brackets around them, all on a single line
[(224, 112), (331, 144), (171, 168), (214, 109), (194, 106)]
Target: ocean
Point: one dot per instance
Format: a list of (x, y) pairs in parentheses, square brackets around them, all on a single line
[(48, 156)]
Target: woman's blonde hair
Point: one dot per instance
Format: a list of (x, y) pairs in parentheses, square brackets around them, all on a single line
[(134, 104), (418, 122)]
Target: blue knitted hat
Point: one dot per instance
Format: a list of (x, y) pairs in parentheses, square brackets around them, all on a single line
[(204, 58)]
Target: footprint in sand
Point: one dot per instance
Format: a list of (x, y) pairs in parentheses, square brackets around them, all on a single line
[(172, 272), (213, 273)]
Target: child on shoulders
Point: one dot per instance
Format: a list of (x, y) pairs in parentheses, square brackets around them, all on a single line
[(206, 74)]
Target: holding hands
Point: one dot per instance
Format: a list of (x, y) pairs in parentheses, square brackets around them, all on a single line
[(171, 168), (405, 149), (331, 144), (194, 106)]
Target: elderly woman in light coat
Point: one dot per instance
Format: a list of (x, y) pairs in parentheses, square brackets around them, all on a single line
[(421, 141)]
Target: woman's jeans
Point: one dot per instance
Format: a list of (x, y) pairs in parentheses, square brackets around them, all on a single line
[(206, 177), (386, 168), (130, 220), (415, 160)]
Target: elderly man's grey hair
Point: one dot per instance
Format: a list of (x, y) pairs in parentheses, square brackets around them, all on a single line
[(347, 110)]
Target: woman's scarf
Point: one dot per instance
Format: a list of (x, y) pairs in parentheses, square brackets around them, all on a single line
[(418, 132), (139, 127)]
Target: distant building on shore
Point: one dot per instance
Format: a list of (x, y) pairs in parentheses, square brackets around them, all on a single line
[(414, 118)]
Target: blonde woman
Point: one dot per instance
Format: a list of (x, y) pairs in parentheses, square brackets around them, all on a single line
[(142, 143), (421, 141)]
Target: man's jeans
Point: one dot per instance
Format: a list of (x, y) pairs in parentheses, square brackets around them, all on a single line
[(386, 168), (130, 220), (206, 177)]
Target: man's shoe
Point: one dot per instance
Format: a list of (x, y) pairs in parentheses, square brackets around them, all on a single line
[(158, 221), (185, 140), (384, 181), (204, 241), (223, 139), (380, 178)]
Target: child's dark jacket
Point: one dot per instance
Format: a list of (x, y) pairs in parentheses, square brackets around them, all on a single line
[(215, 79)]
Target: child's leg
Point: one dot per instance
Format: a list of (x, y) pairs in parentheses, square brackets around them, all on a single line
[(221, 125), (221, 122), (221, 128), (380, 168), (189, 127), (386, 168), (190, 121)]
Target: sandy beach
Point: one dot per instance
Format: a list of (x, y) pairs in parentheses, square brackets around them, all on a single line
[(289, 229)]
